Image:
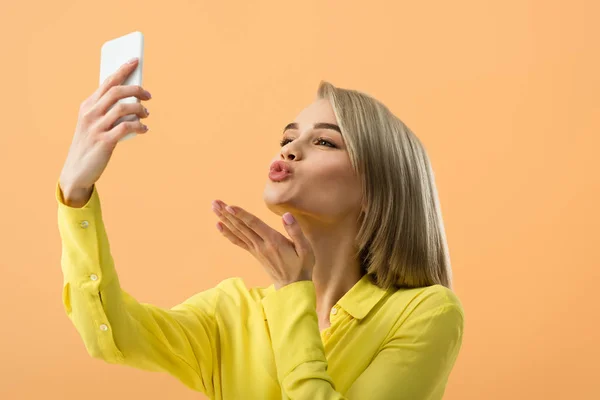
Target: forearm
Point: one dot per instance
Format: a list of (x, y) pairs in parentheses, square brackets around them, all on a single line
[(297, 345)]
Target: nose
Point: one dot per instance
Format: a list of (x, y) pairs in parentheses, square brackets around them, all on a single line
[(289, 153)]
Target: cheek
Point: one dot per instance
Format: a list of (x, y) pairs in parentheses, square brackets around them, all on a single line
[(335, 182), (331, 173)]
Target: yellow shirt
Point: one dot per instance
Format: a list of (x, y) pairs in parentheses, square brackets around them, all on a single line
[(234, 342)]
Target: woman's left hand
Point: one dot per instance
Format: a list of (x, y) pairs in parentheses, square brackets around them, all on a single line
[(285, 260)]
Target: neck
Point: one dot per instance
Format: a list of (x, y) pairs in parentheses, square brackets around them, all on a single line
[(337, 269)]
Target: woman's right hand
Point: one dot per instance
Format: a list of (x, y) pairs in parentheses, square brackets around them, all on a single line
[(95, 138)]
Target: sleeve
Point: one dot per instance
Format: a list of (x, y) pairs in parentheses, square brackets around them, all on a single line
[(114, 326), (413, 364)]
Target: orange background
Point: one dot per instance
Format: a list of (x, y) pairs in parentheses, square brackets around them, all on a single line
[(504, 96)]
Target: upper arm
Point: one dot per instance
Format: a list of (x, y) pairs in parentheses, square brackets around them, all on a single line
[(416, 362)]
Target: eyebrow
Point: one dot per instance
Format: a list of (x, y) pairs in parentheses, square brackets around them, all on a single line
[(318, 125)]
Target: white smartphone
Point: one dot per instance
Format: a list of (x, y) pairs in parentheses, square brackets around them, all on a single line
[(117, 52)]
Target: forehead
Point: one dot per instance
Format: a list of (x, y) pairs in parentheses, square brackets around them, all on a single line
[(318, 111)]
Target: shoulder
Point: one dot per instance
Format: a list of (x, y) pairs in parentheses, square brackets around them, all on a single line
[(427, 304), (436, 296)]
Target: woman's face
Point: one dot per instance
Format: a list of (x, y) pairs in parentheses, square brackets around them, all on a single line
[(316, 177)]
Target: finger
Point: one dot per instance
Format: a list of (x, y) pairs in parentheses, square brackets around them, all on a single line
[(217, 209), (124, 128), (117, 93), (243, 228), (301, 243), (229, 235), (121, 110), (252, 222), (116, 78)]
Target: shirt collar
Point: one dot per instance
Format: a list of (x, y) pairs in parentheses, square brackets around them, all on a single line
[(362, 298)]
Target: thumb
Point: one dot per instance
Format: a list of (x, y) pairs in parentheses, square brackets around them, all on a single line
[(293, 229)]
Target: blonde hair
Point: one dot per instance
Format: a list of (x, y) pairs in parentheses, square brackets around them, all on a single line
[(401, 241)]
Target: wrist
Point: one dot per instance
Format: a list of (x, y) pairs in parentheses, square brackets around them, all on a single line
[(75, 197)]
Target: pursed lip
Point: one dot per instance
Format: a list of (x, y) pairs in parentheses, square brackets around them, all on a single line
[(279, 165), (279, 171)]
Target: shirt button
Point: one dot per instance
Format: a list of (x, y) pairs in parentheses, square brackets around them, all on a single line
[(84, 224), (103, 327), (334, 310), (94, 277)]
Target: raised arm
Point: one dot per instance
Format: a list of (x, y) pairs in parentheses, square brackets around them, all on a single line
[(113, 325)]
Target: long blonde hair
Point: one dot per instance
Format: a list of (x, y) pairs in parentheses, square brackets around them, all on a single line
[(401, 241)]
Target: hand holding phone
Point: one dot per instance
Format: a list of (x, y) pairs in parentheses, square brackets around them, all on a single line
[(113, 55), (97, 134)]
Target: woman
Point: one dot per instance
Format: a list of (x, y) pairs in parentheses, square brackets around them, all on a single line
[(361, 305)]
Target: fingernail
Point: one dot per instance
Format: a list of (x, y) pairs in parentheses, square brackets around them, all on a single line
[(216, 205), (230, 210), (147, 93), (144, 128), (219, 227), (146, 111), (288, 218), (134, 59)]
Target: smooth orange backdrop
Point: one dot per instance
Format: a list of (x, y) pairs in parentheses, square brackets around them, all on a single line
[(504, 96)]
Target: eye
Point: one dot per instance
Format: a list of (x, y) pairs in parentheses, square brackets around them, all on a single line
[(319, 141), (327, 142)]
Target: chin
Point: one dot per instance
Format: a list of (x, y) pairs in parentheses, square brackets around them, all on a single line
[(276, 200), (273, 202)]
